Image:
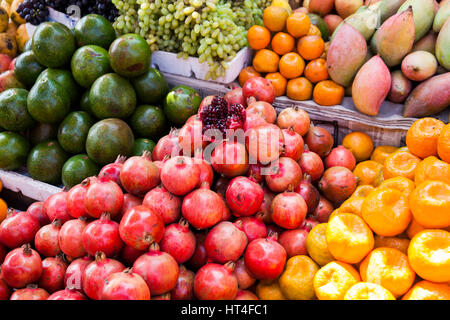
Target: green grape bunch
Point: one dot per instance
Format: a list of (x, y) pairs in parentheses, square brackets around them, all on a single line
[(211, 30)]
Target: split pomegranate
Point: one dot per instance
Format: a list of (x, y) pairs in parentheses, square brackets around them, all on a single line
[(167, 147), (125, 285), (309, 193), (75, 199), (323, 210), (319, 140), (260, 88), (31, 292), (22, 266), (230, 159), (102, 235), (246, 295), (184, 290), (190, 136), (36, 209), (243, 276), (74, 273), (216, 282), (264, 143), (70, 238), (161, 201), (140, 226), (96, 272), (178, 169), (265, 258), (205, 102), (337, 184), (289, 209), (264, 109), (129, 255), (55, 207), (284, 174), (235, 96), (293, 144), (112, 171), (225, 242), (341, 157), (294, 241), (244, 197), (202, 208), (218, 117), (46, 240), (129, 201), (53, 271), (199, 258), (178, 241), (67, 294), (18, 228), (103, 196), (159, 270), (139, 175), (311, 164), (295, 118)]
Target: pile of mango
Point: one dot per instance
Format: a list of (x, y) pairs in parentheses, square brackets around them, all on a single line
[(13, 33)]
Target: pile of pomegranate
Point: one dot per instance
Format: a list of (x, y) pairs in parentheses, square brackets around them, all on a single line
[(175, 225)]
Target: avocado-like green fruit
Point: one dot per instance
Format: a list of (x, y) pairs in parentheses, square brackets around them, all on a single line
[(72, 132), (65, 79), (14, 114), (45, 162), (28, 46), (94, 29), (148, 122), (78, 168), (42, 132), (27, 68), (84, 103), (141, 145), (151, 87), (181, 103), (14, 152), (89, 63)]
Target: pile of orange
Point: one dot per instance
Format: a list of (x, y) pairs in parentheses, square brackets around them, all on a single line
[(3, 206), (291, 53)]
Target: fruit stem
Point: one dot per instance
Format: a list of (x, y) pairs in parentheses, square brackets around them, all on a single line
[(99, 255)]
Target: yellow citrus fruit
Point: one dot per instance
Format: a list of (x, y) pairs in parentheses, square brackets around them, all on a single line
[(381, 153), (369, 173), (363, 190), (368, 291), (400, 163), (427, 290), (431, 168), (414, 228), (3, 210), (352, 205), (360, 144), (296, 282), (398, 243), (402, 184), (269, 290), (316, 245)]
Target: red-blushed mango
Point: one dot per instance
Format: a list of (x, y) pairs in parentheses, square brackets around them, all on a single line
[(388, 8), (322, 7), (429, 97), (347, 7), (423, 11), (371, 86), (395, 37), (419, 65), (332, 21), (346, 55), (443, 46), (441, 16), (400, 87), (427, 43)]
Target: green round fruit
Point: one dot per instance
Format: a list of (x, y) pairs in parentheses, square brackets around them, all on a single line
[(320, 24), (48, 101), (14, 152), (148, 122), (130, 55), (65, 79), (53, 44), (45, 162), (112, 96), (94, 29), (107, 139), (78, 168), (181, 103), (42, 132), (151, 87), (141, 145), (27, 68), (14, 114), (88, 64), (72, 132), (84, 103)]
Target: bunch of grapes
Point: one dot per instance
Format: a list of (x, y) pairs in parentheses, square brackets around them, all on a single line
[(212, 30), (33, 11)]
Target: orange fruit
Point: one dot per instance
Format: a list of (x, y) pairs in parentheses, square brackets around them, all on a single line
[(431, 168), (430, 204), (266, 61), (398, 243), (422, 137), (328, 93), (297, 280), (368, 291), (314, 31), (386, 211), (389, 268), (310, 47), (247, 73), (297, 24), (429, 255), (279, 83), (316, 70), (258, 37), (3, 210), (333, 280), (402, 184), (414, 228), (363, 190), (299, 89), (1, 186), (400, 164), (443, 145), (369, 173), (291, 65), (427, 290), (282, 43), (269, 290), (335, 212), (274, 18), (360, 144), (352, 205), (381, 153), (316, 245), (349, 238)]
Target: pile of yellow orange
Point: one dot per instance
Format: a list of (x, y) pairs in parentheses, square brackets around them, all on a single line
[(391, 239), (3, 205), (292, 54)]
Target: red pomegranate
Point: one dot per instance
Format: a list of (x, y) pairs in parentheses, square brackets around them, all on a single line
[(102, 235), (294, 241), (75, 199), (70, 238), (5, 290), (264, 109), (184, 290), (205, 102), (236, 95), (225, 242), (230, 159), (103, 196), (293, 144), (294, 118), (74, 273), (206, 170), (202, 208), (36, 209), (140, 226), (178, 169), (161, 201), (216, 282), (309, 223), (264, 143), (112, 171), (243, 276), (311, 164), (273, 228), (226, 213), (129, 255), (2, 253), (254, 120), (190, 136), (244, 197), (266, 206), (55, 207), (96, 272), (139, 175), (178, 241), (260, 88), (167, 147), (319, 140), (265, 258), (125, 285), (246, 295), (31, 292), (67, 294), (129, 201), (46, 240), (22, 266), (309, 193), (221, 185), (159, 270), (323, 210), (255, 172), (199, 258), (253, 226), (337, 184), (53, 271), (284, 174), (289, 209), (17, 229), (341, 157)]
